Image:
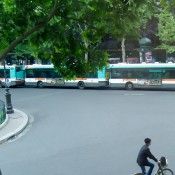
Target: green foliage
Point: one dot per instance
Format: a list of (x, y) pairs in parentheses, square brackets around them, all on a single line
[(166, 25), (67, 31), (134, 18)]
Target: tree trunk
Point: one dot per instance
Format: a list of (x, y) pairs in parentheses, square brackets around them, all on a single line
[(86, 42), (123, 50)]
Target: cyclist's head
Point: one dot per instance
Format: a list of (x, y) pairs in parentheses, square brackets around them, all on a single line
[(147, 141)]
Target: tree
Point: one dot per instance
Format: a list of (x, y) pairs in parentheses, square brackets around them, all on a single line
[(151, 30), (166, 24), (68, 32), (133, 17), (18, 21)]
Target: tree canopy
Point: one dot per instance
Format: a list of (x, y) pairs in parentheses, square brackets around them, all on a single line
[(68, 32), (166, 25)]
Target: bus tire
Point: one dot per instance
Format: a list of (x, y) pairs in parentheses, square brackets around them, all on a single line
[(40, 84), (129, 86), (81, 85)]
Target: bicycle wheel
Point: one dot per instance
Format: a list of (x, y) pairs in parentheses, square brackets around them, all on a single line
[(167, 171)]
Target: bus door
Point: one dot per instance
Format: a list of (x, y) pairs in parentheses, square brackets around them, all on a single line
[(107, 76)]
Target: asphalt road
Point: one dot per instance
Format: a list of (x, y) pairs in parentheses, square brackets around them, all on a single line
[(88, 132)]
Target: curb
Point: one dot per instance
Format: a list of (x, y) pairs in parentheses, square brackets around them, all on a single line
[(19, 129)]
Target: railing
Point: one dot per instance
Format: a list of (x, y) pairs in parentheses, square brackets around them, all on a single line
[(2, 112)]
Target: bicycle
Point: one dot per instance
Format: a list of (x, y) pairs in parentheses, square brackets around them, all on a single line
[(162, 168)]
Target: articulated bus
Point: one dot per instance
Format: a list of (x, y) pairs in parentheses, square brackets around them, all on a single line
[(150, 75), (15, 75), (45, 75)]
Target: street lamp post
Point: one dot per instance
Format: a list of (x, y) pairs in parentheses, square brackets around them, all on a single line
[(9, 107)]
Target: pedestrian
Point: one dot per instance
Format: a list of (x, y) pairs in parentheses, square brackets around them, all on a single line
[(143, 156)]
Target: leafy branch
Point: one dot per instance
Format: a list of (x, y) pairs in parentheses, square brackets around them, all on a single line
[(28, 33)]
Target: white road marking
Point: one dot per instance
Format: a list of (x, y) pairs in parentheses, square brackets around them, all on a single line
[(134, 94)]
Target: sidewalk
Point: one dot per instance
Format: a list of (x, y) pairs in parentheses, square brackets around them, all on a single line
[(13, 125)]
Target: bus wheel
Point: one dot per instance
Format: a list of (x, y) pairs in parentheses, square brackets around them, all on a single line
[(81, 85), (40, 84), (129, 86)]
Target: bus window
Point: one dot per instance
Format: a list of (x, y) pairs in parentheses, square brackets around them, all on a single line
[(116, 73), (153, 75), (131, 73), (18, 69), (8, 73), (128, 73), (29, 73), (159, 75), (166, 74), (52, 74), (92, 75), (49, 74), (172, 73), (1, 73), (39, 73), (142, 73)]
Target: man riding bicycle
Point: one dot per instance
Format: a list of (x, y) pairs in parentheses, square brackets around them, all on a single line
[(145, 153)]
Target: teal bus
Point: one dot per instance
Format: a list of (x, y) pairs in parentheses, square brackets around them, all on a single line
[(46, 75), (15, 75), (144, 75)]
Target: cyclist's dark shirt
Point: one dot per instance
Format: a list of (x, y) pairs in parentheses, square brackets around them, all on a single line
[(145, 153)]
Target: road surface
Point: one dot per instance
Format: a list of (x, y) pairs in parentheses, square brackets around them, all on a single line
[(88, 132)]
